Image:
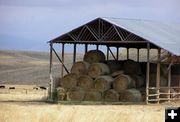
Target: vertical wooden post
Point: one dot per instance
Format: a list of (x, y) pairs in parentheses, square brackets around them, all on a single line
[(147, 74), (62, 55), (97, 47), (158, 76), (127, 53), (74, 54), (169, 82), (117, 53), (86, 48), (50, 73), (107, 52), (138, 55)]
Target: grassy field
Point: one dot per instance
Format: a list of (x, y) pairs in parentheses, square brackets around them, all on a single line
[(43, 112), (29, 68)]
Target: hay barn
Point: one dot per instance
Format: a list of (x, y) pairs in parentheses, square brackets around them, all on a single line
[(161, 72)]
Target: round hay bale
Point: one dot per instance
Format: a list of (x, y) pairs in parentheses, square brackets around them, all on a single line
[(56, 81), (132, 67), (116, 73), (123, 82), (139, 80), (114, 65), (75, 94), (61, 93), (152, 79), (172, 91), (163, 94), (130, 95), (98, 69), (94, 56), (69, 81), (103, 83), (163, 69), (93, 95), (80, 68), (85, 82), (143, 93), (111, 96)]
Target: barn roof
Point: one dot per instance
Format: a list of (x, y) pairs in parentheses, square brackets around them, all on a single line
[(118, 31)]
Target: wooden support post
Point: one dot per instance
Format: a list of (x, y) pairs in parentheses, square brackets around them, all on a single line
[(97, 47), (86, 48), (62, 55), (60, 60), (127, 53), (147, 74), (50, 73), (117, 53), (138, 55), (107, 53), (158, 76), (112, 53), (74, 54), (169, 83)]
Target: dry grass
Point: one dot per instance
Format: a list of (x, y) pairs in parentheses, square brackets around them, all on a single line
[(42, 112), (29, 68)]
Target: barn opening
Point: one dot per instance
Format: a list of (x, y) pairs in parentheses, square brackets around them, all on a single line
[(151, 58)]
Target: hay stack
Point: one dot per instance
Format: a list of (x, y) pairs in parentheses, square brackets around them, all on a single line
[(56, 81), (172, 91), (93, 95), (123, 82), (114, 65), (152, 79), (61, 93), (130, 95), (94, 56), (111, 96), (163, 69), (132, 67), (163, 94), (103, 83), (75, 94), (80, 68), (97, 69), (116, 73), (85, 82), (139, 80), (69, 81)]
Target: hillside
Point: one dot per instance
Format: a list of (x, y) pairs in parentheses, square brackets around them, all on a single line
[(18, 67)]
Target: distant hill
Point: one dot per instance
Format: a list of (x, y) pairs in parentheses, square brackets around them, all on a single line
[(29, 67), (20, 67)]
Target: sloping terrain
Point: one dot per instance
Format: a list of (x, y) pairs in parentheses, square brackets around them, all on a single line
[(17, 67), (29, 68)]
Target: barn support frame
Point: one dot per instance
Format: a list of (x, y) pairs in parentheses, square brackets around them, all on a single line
[(109, 51), (147, 73), (50, 73)]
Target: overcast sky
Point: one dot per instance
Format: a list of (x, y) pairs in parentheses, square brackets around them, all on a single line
[(29, 24)]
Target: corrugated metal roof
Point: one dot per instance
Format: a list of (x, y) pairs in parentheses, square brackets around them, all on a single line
[(164, 35)]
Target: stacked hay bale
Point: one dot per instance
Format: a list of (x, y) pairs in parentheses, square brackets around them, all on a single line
[(95, 79)]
